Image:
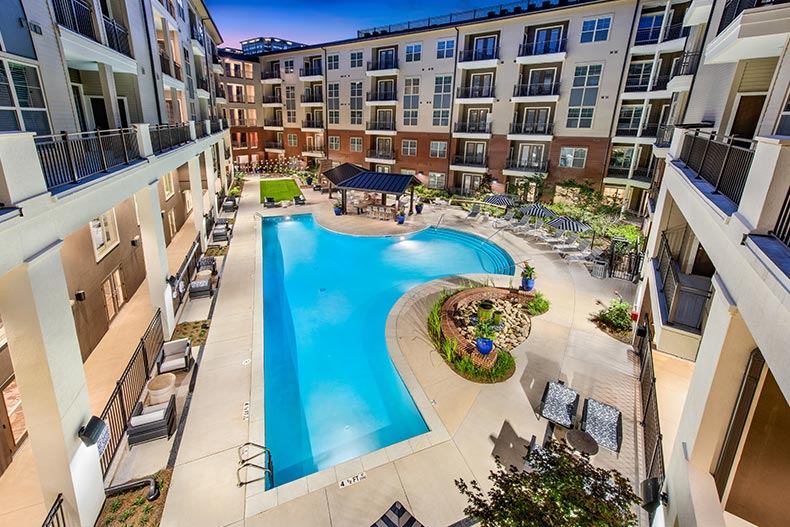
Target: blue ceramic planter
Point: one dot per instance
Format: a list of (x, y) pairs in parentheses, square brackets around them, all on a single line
[(401, 219), (484, 346), (338, 211), (418, 208), (527, 284)]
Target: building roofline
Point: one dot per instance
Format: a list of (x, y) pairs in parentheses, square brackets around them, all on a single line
[(205, 16)]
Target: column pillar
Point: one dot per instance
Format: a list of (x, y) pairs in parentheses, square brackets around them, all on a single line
[(192, 134), (211, 179), (21, 177), (144, 139), (110, 95), (42, 341), (198, 207), (157, 271)]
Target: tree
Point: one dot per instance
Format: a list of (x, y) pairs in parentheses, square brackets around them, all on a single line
[(561, 488)]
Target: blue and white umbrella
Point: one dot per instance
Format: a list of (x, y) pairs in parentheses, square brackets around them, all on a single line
[(566, 223), (537, 210), (501, 200)]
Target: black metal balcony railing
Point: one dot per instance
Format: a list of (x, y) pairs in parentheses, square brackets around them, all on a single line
[(166, 136), (382, 126), (201, 82), (272, 99), (271, 74), (522, 128), (471, 55), (686, 65), (313, 149), (76, 16), (383, 64), (236, 97), (274, 145), (733, 8), (219, 91), (473, 128), (200, 129), (242, 122), (312, 97), (648, 417), (313, 123), (525, 165), (70, 158), (216, 126), (311, 71), (117, 36), (474, 92), (664, 135), (629, 130), (55, 517), (722, 161), (542, 47), (643, 174), (534, 90), (381, 154), (477, 160), (273, 122), (164, 60), (782, 228), (382, 96), (686, 304), (197, 34), (637, 83), (649, 129)]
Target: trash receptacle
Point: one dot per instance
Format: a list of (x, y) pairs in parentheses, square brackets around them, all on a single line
[(599, 269)]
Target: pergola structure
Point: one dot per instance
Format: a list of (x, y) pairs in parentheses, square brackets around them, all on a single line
[(380, 182), (340, 173)]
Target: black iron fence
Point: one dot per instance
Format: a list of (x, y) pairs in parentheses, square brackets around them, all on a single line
[(67, 159), (166, 136), (687, 64), (528, 128), (470, 55), (200, 129), (537, 89), (55, 517), (733, 8), (384, 126), (185, 273), (542, 47), (473, 128), (526, 165), (381, 154), (382, 95), (307, 97), (313, 123), (782, 228), (164, 60), (117, 36), (75, 15), (311, 71), (472, 160), (722, 161), (377, 65), (625, 264), (650, 422), (127, 390)]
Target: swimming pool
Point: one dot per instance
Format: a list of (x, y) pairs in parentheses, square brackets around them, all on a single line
[(331, 392)]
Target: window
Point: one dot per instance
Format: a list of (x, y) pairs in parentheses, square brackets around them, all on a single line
[(445, 49), (409, 147), (439, 149), (104, 233), (629, 118), (621, 157), (435, 180), (442, 92), (584, 94), (408, 172), (187, 202), (333, 103), (356, 59), (356, 102), (167, 183), (573, 157), (783, 128), (22, 99), (333, 62), (356, 144), (413, 52), (290, 104), (292, 141), (288, 65), (334, 142), (411, 101), (596, 29)]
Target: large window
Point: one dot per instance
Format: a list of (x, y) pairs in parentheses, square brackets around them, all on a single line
[(333, 102), (596, 29), (356, 59), (411, 101), (356, 144), (333, 62), (334, 142), (445, 49), (292, 140), (584, 94), (356, 102), (22, 104), (629, 118), (288, 65), (409, 147), (621, 157), (442, 95), (439, 149), (290, 104), (167, 183), (436, 180), (573, 157), (104, 233), (413, 52)]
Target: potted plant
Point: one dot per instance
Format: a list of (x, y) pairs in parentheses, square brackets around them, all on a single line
[(485, 309), (338, 208), (418, 207), (528, 277), (309, 180), (401, 217), (484, 334)]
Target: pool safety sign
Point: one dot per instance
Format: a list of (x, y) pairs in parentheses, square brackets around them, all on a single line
[(352, 480)]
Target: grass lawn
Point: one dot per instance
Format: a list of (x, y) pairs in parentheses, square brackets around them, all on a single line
[(279, 189)]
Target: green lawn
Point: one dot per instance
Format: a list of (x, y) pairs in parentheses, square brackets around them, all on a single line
[(279, 189)]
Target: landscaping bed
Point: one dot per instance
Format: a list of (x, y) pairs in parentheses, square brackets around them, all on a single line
[(131, 508), (196, 331)]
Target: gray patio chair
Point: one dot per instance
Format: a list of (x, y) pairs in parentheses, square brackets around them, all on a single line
[(570, 240), (299, 200), (531, 230), (557, 236), (523, 223), (175, 355), (504, 221), (576, 247), (604, 423), (474, 212), (151, 422), (269, 203)]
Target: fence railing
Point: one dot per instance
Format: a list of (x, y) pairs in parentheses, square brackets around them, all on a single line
[(70, 158), (526, 165), (166, 136), (273, 122), (532, 128), (313, 123), (185, 272), (311, 71), (164, 60), (664, 135), (474, 92), (782, 228), (723, 161), (687, 64), (382, 95), (381, 154), (471, 160), (473, 128), (271, 74), (733, 8), (177, 71), (542, 47), (127, 390), (75, 15), (649, 421), (274, 145), (383, 64), (273, 99), (55, 517), (470, 55), (201, 83), (117, 36), (636, 83), (200, 129), (384, 126), (686, 305), (534, 90), (311, 97)]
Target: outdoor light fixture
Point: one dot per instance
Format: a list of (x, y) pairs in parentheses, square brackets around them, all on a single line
[(92, 432), (79, 296), (172, 280), (136, 241)]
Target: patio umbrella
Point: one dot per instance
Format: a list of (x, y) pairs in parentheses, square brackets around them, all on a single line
[(565, 223), (502, 200), (538, 210)]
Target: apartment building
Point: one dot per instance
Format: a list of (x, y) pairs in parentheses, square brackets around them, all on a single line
[(716, 284), (255, 46), (244, 104), (110, 142)]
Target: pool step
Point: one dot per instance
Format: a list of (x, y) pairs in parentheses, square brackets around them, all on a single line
[(502, 263)]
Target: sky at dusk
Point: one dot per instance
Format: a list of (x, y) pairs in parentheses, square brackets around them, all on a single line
[(312, 21)]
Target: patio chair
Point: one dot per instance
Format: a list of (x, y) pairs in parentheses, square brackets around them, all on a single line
[(230, 204), (504, 221), (269, 203), (576, 247), (547, 237), (570, 240), (221, 232), (474, 212), (299, 200), (523, 223), (151, 422), (207, 263), (202, 285), (175, 355), (604, 423), (585, 257), (559, 404), (534, 230)]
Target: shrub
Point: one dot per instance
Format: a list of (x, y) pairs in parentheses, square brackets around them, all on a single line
[(235, 191), (616, 317), (538, 305)]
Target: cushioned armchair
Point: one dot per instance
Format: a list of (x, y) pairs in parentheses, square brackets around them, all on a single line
[(174, 356), (152, 422)]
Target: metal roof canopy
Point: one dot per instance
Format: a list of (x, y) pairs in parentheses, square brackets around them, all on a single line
[(342, 172), (379, 182)]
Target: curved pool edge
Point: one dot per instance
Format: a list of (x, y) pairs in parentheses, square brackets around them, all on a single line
[(323, 226)]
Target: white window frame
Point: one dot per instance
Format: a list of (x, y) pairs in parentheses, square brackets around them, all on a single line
[(596, 29), (333, 62), (333, 142), (413, 51), (437, 148), (167, 185), (292, 140), (288, 66), (584, 87), (360, 58), (433, 177), (187, 201), (355, 144), (109, 232), (16, 107), (408, 147), (443, 53), (411, 94), (568, 156)]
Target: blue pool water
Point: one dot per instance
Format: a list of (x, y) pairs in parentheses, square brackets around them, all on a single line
[(331, 390)]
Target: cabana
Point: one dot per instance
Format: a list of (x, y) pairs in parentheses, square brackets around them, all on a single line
[(380, 182), (340, 173)]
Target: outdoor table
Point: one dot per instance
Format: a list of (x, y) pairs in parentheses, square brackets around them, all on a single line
[(161, 387), (559, 404), (582, 441)]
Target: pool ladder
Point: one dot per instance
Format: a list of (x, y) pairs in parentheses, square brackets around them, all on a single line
[(438, 222), (245, 462)]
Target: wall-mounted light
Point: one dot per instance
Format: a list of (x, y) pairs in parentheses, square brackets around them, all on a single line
[(92, 432), (172, 280), (136, 241), (79, 296)]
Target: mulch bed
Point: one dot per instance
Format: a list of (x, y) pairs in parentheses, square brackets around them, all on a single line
[(131, 509), (625, 338), (196, 331)]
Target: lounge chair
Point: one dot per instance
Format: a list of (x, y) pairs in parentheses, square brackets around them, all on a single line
[(202, 285), (522, 224), (570, 240), (547, 237), (474, 212), (207, 263), (221, 232), (299, 200), (559, 404), (604, 423), (151, 422), (577, 247), (504, 221), (585, 257), (175, 355), (269, 203)]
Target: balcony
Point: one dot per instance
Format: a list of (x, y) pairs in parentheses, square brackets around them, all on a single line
[(202, 87), (733, 8), (273, 124), (642, 177), (271, 76), (311, 73), (243, 123), (542, 51), (380, 156), (313, 125), (627, 133), (682, 72), (169, 7), (198, 41), (312, 99), (474, 94), (381, 98), (216, 65), (477, 163), (521, 167), (380, 128), (750, 29), (219, 92), (382, 68), (273, 100), (652, 40), (520, 131), (539, 92), (640, 87), (117, 36), (313, 151), (663, 140), (274, 146), (469, 59), (167, 136), (722, 161), (481, 130)]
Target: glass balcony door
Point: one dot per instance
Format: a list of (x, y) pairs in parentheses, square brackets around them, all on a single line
[(547, 40), (485, 48), (535, 120)]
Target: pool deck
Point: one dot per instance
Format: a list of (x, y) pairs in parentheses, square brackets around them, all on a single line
[(479, 421)]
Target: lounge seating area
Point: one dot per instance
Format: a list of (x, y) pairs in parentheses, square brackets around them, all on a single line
[(221, 232), (230, 204), (149, 422), (175, 355)]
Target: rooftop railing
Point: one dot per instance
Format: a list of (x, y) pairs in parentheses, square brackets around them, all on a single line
[(383, 64), (733, 8), (523, 128), (166, 136), (71, 158), (535, 90), (542, 47), (472, 55), (474, 92)]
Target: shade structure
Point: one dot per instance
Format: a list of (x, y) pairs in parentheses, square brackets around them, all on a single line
[(379, 182), (537, 210), (565, 223), (397, 516), (501, 200)]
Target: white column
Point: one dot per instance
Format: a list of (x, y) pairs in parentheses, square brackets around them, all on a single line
[(42, 341), (157, 270), (21, 178), (192, 134), (110, 95), (211, 179), (144, 139), (207, 126), (196, 191)]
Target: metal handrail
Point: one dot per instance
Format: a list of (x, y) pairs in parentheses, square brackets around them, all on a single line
[(55, 516), (536, 89), (381, 125), (167, 136), (473, 128), (542, 47), (378, 65), (474, 92), (531, 128), (471, 55)]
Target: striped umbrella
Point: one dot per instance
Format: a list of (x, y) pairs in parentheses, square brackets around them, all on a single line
[(565, 223), (537, 210), (502, 200)]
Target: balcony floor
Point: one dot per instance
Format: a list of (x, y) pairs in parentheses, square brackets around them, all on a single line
[(775, 250), (706, 189)]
